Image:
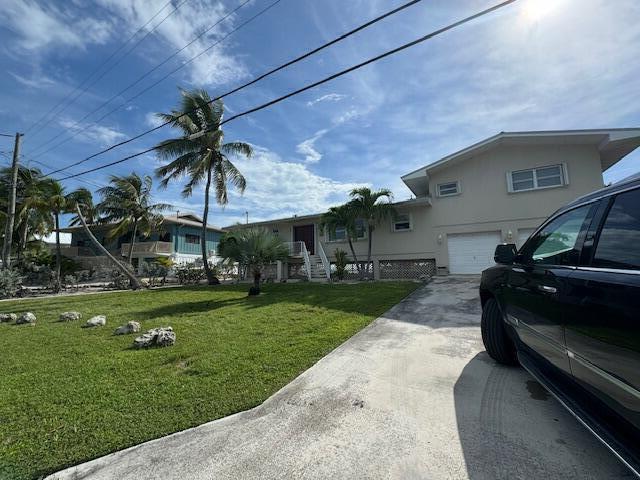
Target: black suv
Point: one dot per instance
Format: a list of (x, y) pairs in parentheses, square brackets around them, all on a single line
[(566, 307)]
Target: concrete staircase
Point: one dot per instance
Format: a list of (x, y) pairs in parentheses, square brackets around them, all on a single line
[(317, 269)]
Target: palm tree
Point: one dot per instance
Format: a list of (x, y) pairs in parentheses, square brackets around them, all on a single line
[(201, 155), (254, 248), (343, 216), (366, 205), (58, 204), (81, 202), (126, 201)]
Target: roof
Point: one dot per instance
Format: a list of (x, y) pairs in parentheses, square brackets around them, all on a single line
[(612, 143), (313, 216), (189, 219)]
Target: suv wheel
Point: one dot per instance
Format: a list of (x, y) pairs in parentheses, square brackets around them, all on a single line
[(494, 336)]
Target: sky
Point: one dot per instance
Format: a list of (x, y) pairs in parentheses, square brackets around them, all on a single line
[(534, 65)]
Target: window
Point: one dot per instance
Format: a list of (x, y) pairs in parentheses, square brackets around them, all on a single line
[(535, 178), (165, 237), (555, 244), (447, 189), (340, 233), (402, 222), (190, 238), (619, 242)]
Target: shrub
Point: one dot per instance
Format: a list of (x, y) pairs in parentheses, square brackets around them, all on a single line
[(189, 274), (119, 280), (157, 271), (10, 283), (341, 263)]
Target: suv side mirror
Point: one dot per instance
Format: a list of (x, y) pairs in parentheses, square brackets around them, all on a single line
[(505, 253)]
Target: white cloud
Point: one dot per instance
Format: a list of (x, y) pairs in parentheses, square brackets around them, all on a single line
[(330, 97), (308, 149), (35, 81), (93, 133), (152, 120), (45, 26), (276, 188), (214, 67)]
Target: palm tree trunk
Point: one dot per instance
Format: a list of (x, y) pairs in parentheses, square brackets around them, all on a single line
[(353, 253), (132, 242), (135, 285), (58, 284), (256, 281), (211, 279), (23, 238)]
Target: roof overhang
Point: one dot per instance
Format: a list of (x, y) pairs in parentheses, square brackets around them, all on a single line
[(613, 144)]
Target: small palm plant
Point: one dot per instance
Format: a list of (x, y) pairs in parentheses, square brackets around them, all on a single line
[(254, 248), (201, 155), (127, 202), (342, 216)]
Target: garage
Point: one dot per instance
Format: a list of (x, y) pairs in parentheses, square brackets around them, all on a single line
[(523, 235), (472, 252)]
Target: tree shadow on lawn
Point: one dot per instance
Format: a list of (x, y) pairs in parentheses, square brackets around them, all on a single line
[(332, 299)]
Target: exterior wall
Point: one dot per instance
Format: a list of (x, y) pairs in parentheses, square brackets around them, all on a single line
[(180, 246), (484, 204)]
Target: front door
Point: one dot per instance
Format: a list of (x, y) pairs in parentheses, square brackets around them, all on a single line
[(537, 291), (304, 233)]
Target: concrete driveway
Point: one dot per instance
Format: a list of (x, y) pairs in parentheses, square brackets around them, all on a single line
[(414, 395)]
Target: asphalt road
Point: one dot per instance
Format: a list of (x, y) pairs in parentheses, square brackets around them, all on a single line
[(414, 395)]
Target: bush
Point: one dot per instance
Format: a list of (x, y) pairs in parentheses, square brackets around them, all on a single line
[(341, 263), (157, 271), (119, 280), (189, 274), (10, 283)]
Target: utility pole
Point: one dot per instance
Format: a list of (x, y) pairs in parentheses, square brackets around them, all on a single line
[(11, 208), (247, 215)]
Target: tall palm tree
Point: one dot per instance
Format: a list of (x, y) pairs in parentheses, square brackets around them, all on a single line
[(127, 202), (201, 155), (58, 205), (253, 248), (343, 216), (373, 207), (90, 212), (81, 202)]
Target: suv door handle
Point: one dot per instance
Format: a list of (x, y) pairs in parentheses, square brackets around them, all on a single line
[(547, 289)]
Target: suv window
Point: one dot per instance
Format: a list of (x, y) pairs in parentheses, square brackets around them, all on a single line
[(619, 242), (555, 244)]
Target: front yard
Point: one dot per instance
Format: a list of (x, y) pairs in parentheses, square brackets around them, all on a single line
[(69, 394)]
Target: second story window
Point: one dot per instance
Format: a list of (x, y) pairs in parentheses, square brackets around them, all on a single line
[(190, 238), (402, 222), (448, 189), (536, 178)]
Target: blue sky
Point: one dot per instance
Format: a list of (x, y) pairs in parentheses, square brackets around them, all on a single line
[(535, 65)]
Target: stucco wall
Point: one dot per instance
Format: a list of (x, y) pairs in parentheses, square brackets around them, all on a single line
[(483, 205)]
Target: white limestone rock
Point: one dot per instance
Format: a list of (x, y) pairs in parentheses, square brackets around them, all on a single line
[(97, 321), (70, 316), (27, 317), (130, 327)]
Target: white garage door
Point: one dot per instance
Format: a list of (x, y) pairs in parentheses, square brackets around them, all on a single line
[(472, 252), (523, 234)]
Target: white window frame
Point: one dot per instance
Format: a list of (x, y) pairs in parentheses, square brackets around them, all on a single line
[(338, 240), (564, 174), (395, 221), (457, 192)]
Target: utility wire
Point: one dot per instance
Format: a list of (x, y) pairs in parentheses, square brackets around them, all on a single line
[(85, 181), (146, 74), (103, 64), (6, 135), (251, 82), (315, 84)]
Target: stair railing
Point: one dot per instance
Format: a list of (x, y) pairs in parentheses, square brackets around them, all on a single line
[(325, 261), (307, 260)]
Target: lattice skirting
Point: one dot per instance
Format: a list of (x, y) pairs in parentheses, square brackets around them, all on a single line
[(297, 270), (351, 270), (407, 269), (270, 272)]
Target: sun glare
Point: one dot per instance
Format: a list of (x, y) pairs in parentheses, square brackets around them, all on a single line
[(536, 9)]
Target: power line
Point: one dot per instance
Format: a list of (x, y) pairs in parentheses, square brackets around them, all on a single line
[(87, 182), (104, 63), (253, 81), (6, 135), (315, 84), (149, 72)]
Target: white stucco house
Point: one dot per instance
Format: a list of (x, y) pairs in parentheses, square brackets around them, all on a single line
[(497, 190)]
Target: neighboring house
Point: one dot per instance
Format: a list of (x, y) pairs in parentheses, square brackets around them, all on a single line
[(498, 190), (178, 237)]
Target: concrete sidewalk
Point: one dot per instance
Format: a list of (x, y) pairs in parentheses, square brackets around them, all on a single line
[(411, 396)]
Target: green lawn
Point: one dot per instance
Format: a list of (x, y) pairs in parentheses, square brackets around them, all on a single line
[(69, 394)]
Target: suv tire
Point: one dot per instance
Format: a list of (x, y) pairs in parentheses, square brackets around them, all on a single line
[(494, 335)]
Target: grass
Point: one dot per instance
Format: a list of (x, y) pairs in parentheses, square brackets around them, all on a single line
[(69, 394)]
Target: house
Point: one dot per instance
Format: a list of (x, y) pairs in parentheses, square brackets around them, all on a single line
[(178, 237), (497, 190)]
